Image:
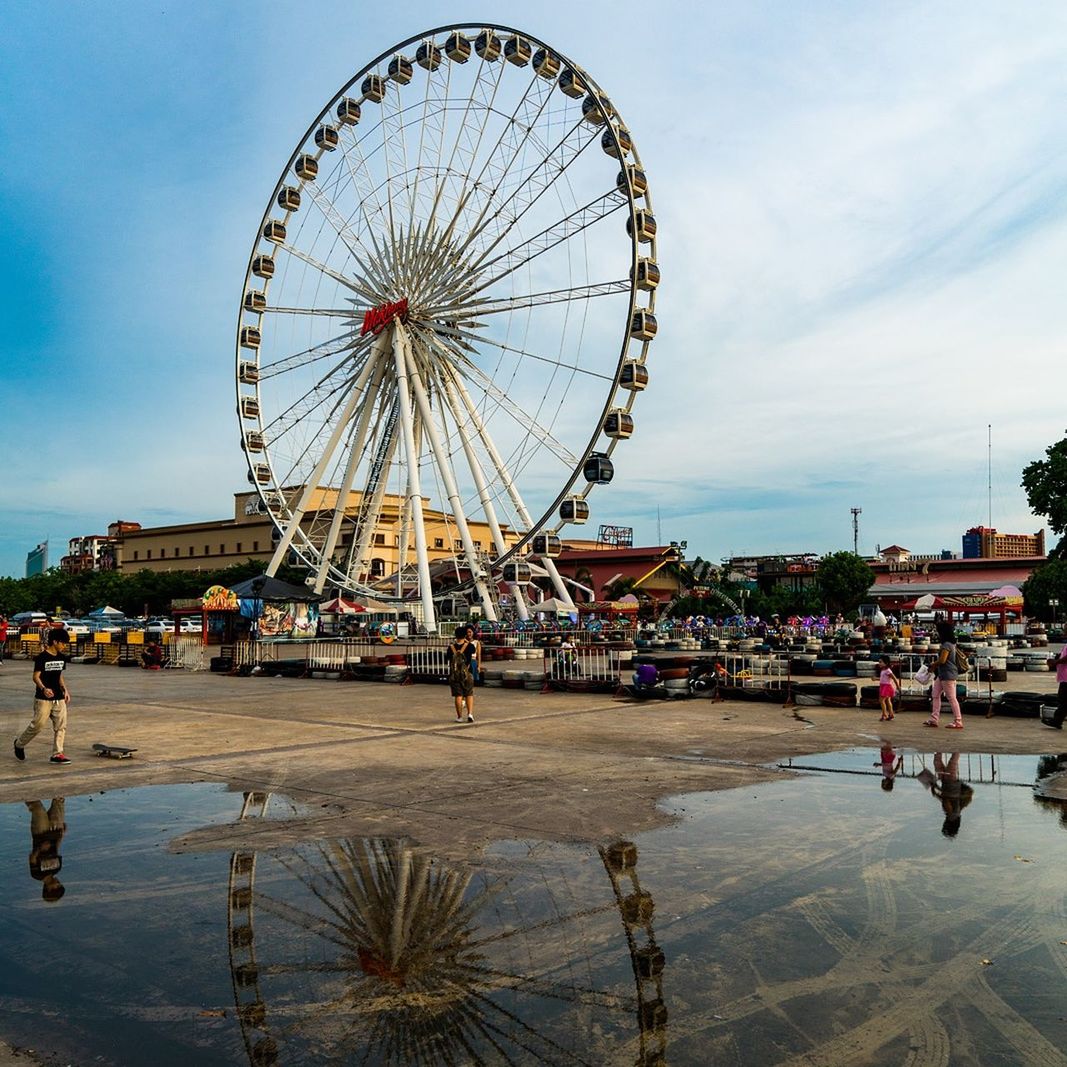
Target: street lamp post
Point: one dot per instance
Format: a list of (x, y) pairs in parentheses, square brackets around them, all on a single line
[(257, 604)]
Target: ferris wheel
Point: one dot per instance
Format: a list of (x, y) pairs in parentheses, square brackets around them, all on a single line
[(446, 318), (372, 950)]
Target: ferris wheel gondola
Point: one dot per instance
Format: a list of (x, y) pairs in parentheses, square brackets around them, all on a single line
[(447, 312)]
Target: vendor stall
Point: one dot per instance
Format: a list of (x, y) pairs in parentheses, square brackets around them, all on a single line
[(967, 606), (277, 609)]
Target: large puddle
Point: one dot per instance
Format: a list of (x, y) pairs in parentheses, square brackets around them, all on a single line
[(872, 911)]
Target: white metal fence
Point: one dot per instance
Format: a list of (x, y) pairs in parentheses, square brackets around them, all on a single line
[(186, 653), (589, 664)]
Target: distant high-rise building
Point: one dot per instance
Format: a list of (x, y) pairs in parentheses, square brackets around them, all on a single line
[(37, 560), (983, 542)]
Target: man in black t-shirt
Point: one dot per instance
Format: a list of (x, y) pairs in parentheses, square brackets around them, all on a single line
[(51, 697)]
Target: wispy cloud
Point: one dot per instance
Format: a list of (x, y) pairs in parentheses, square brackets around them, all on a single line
[(862, 217)]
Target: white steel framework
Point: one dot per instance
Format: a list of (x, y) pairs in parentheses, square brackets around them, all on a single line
[(447, 310)]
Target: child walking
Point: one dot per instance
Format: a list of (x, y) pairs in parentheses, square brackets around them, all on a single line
[(888, 687), (890, 763)]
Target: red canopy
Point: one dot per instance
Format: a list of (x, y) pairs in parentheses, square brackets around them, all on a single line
[(340, 606)]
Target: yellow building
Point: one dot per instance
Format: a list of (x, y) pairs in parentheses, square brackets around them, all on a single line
[(250, 534)]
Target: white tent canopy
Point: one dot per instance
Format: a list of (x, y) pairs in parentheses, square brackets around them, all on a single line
[(105, 612), (552, 604)]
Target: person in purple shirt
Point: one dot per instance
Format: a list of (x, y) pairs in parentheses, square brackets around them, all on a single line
[(1061, 692), (645, 675)]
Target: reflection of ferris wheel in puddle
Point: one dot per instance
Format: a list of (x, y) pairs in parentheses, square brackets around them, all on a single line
[(401, 971), (449, 305)]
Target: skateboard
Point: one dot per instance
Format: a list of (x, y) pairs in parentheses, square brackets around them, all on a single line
[(113, 751)]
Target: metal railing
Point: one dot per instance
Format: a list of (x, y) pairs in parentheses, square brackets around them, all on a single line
[(186, 653), (588, 664)]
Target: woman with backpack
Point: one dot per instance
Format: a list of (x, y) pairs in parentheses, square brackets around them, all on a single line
[(946, 669), (460, 679)]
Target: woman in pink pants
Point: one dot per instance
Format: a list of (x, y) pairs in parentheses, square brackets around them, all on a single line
[(945, 682)]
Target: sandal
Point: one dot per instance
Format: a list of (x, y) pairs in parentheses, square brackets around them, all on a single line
[(929, 723), (954, 726)]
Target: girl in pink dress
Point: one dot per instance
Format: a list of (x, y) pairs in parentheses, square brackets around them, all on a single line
[(888, 687)]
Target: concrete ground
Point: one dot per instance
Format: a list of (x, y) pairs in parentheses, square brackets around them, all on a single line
[(371, 759), (381, 759)]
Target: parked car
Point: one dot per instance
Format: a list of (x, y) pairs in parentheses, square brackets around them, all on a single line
[(159, 626), (104, 626), (192, 625), (77, 627), (27, 620)]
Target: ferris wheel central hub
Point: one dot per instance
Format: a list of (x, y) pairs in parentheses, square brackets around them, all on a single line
[(376, 319)]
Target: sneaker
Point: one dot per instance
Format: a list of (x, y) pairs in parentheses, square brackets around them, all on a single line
[(20, 753), (59, 758), (470, 718)]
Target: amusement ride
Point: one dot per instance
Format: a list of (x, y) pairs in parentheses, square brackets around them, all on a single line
[(445, 321)]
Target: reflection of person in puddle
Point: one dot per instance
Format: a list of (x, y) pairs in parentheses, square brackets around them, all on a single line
[(890, 763), (953, 794), (1049, 767), (47, 829)]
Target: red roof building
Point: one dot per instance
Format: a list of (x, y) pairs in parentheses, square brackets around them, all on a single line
[(900, 581), (600, 568)]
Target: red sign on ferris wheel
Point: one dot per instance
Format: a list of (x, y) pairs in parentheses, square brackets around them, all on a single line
[(376, 319)]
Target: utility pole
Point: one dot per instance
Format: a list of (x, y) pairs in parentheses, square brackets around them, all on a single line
[(856, 513)]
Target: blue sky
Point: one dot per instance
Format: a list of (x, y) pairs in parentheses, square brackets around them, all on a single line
[(863, 227)]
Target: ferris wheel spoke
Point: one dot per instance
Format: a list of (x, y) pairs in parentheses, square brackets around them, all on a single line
[(530, 300), (530, 190), (358, 171), (473, 146), (389, 146), (432, 132), (356, 249), (455, 170), (357, 285), (551, 237), (303, 405), (298, 461), (524, 118), (476, 341), (351, 313), (349, 343), (490, 388)]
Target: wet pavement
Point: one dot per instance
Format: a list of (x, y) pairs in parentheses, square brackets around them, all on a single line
[(867, 905), (262, 882)]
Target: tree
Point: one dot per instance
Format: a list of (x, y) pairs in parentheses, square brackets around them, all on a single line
[(1047, 582), (843, 579), (1045, 482)]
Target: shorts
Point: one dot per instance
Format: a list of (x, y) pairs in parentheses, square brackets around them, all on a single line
[(885, 691), (463, 688)]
